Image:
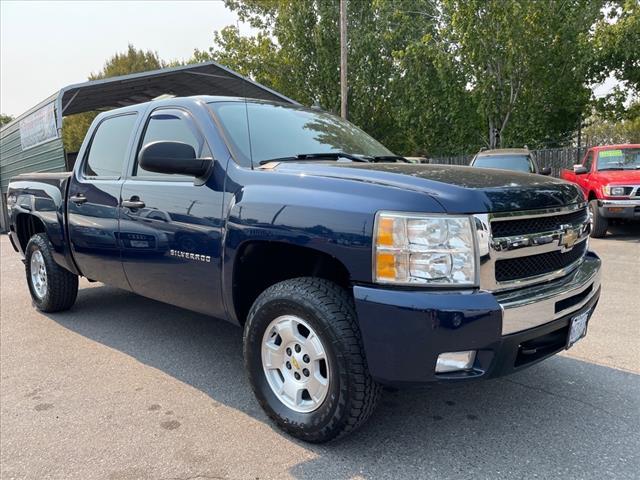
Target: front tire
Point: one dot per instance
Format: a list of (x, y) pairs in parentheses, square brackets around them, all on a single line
[(599, 224), (305, 360), (52, 288)]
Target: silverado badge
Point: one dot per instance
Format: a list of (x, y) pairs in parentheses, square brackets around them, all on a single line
[(191, 256)]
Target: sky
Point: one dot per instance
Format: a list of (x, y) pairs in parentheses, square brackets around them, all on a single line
[(45, 46)]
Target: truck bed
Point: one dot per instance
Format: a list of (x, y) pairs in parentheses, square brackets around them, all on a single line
[(40, 200)]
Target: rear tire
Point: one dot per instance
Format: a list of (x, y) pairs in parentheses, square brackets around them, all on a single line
[(52, 288), (322, 311), (599, 224)]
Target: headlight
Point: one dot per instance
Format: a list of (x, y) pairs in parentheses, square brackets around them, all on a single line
[(613, 191), (413, 249)]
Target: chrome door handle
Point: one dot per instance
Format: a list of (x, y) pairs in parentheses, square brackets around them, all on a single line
[(133, 203), (78, 199)]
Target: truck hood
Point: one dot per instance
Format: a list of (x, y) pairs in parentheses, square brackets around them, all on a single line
[(458, 189), (619, 177)]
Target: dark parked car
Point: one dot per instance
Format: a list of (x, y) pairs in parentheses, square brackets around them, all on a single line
[(347, 268), (516, 159)]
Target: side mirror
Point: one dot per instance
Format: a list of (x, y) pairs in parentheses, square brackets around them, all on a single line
[(579, 169), (545, 171), (173, 158)]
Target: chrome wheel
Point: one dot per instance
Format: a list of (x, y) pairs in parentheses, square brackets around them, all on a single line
[(295, 363), (38, 274)]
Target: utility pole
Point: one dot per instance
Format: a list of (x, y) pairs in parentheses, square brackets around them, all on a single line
[(579, 138), (343, 59)]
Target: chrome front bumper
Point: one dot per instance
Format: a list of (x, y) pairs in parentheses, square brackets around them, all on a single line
[(534, 306), (621, 209), (619, 203)]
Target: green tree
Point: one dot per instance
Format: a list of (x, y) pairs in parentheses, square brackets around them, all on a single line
[(602, 129), (74, 127), (397, 78), (616, 42), (526, 63), (4, 119), (255, 57), (428, 76), (607, 132)]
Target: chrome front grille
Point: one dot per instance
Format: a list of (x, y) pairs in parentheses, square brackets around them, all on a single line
[(511, 269), (517, 249), (511, 227)]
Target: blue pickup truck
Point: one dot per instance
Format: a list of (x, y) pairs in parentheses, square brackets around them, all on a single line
[(347, 267)]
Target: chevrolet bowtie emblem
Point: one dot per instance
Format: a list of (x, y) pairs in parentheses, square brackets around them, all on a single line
[(295, 363), (568, 238)]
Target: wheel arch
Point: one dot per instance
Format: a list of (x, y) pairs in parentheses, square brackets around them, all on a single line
[(278, 261), (25, 225), (28, 225)]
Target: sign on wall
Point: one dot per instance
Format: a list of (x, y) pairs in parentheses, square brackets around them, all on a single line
[(39, 127)]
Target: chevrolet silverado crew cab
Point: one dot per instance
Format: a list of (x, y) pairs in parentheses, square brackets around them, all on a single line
[(609, 176), (347, 267)]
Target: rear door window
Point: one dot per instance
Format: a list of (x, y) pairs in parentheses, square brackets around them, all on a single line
[(108, 147)]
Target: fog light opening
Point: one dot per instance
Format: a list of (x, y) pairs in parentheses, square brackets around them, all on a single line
[(455, 361)]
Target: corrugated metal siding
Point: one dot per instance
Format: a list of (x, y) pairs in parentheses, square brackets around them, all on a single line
[(47, 157)]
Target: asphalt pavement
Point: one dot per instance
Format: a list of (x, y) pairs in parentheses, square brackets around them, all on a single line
[(122, 387)]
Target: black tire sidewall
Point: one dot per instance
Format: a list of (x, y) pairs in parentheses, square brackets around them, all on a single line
[(38, 243), (329, 414), (599, 224)]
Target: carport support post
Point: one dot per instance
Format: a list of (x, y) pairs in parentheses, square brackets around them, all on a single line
[(343, 59)]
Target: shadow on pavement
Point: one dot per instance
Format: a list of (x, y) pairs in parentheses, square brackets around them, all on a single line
[(629, 232), (562, 417)]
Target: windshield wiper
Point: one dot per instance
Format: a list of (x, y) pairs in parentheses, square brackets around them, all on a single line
[(610, 168), (389, 158), (319, 156)]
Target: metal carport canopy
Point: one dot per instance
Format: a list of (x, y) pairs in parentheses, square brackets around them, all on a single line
[(208, 78)]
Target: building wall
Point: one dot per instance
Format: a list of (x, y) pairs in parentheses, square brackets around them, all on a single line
[(46, 157)]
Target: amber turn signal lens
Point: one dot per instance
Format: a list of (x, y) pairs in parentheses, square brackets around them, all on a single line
[(386, 265), (385, 232)]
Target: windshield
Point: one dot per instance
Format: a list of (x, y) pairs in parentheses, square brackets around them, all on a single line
[(519, 163), (280, 131), (623, 159)]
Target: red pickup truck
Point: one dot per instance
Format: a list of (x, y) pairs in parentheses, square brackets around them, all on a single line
[(610, 179)]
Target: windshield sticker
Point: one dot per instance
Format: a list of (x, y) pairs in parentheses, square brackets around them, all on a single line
[(611, 153)]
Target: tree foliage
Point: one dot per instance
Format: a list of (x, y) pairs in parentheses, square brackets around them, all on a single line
[(428, 76), (616, 52), (602, 130), (400, 88), (4, 119), (433, 77), (74, 127), (617, 44), (526, 62)]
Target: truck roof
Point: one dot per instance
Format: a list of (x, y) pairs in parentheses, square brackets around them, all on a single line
[(616, 147), (190, 100), (504, 151)]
